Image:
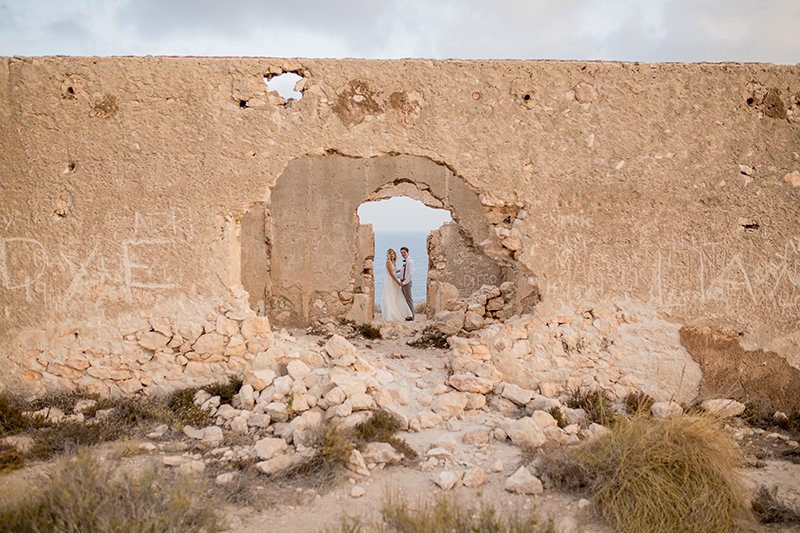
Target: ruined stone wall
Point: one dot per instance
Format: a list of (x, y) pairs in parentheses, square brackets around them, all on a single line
[(125, 183)]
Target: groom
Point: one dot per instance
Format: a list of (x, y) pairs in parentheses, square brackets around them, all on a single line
[(406, 274)]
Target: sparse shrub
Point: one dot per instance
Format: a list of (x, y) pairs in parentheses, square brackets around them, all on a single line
[(596, 404), (673, 475), (62, 399), (10, 459), (447, 515), (82, 496), (225, 391), (381, 427), (181, 404), (639, 403), (70, 436), (335, 445), (430, 338), (556, 413), (368, 331), (11, 419), (771, 511)]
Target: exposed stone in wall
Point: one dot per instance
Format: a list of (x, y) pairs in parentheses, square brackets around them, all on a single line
[(616, 348), (759, 376), (458, 261)]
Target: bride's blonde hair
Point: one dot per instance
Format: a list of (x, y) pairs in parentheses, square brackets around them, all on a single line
[(390, 253)]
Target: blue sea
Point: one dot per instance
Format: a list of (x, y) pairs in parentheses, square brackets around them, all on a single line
[(416, 242)]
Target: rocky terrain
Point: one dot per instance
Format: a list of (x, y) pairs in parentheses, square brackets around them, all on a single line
[(467, 432)]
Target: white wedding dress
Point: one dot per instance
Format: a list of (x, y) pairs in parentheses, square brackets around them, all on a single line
[(393, 303)]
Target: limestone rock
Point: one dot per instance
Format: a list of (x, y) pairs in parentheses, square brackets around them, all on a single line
[(212, 436), (517, 394), (470, 383), (254, 326), (544, 419), (259, 379), (474, 477), (362, 402), (357, 491), (153, 340), (209, 343), (526, 433), (449, 322), (666, 409), (448, 479), (450, 404), (428, 419), (381, 452), (298, 370), (274, 464), (723, 408), (270, 447), (476, 437), (523, 482), (337, 346), (357, 464)]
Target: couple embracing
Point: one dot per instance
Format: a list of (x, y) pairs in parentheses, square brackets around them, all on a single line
[(396, 301)]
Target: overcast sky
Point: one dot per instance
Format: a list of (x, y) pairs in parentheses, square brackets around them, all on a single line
[(630, 30)]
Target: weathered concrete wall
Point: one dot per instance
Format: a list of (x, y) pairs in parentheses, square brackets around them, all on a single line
[(125, 183)]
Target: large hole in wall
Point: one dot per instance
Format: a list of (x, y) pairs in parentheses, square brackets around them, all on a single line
[(305, 256), (399, 222)]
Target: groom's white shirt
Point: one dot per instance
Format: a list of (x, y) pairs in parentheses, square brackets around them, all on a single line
[(405, 275)]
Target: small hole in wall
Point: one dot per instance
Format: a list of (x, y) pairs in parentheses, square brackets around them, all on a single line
[(285, 85), (71, 91), (70, 167), (527, 97), (753, 226), (751, 101), (243, 103)]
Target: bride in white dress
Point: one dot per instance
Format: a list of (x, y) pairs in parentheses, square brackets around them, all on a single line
[(393, 303)]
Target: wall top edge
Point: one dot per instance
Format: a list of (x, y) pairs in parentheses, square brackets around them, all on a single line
[(396, 61)]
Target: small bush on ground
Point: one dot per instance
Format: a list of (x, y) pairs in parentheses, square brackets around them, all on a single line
[(639, 403), (225, 391), (596, 404), (431, 338), (82, 496), (368, 331), (660, 476), (447, 515), (181, 404), (556, 413), (10, 458)]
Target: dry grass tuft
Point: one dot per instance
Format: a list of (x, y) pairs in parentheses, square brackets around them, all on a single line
[(673, 475), (82, 496), (447, 515), (639, 403), (596, 404)]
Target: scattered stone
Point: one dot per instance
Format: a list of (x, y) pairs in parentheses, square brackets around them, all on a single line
[(476, 437), (470, 383), (192, 467), (517, 394), (450, 404), (337, 346), (270, 447), (357, 464), (448, 479), (544, 419), (523, 482), (193, 433), (497, 466), (225, 478), (474, 477), (428, 419), (723, 408), (275, 464), (357, 491), (666, 409), (381, 452), (172, 460), (526, 433)]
